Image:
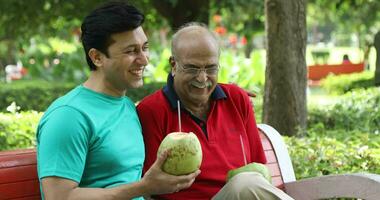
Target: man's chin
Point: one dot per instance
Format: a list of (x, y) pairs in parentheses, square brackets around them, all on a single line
[(136, 84), (203, 98)]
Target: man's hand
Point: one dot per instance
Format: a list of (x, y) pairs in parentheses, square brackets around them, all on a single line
[(159, 182), (154, 182)]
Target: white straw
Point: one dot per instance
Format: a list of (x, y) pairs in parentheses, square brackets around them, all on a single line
[(242, 147), (179, 115)]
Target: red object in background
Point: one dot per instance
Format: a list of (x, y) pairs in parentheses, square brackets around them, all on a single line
[(217, 18), (317, 72), (220, 30), (23, 71), (233, 39), (243, 40)]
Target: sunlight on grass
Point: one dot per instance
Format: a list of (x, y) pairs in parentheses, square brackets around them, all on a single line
[(316, 96)]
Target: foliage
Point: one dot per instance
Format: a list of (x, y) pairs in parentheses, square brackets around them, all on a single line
[(32, 95), (17, 130), (343, 16), (344, 83), (38, 95), (54, 59), (248, 73), (158, 72), (236, 17), (324, 152), (139, 93), (357, 110)]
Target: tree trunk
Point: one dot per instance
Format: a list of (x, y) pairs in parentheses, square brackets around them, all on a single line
[(285, 105), (183, 11), (376, 43)]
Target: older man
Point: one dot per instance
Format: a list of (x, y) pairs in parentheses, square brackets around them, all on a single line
[(219, 114)]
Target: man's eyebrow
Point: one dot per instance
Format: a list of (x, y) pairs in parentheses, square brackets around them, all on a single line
[(197, 66), (134, 45)]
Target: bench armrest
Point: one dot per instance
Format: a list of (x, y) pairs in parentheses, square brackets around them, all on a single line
[(358, 185)]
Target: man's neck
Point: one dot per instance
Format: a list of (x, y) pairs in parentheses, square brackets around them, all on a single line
[(199, 110), (97, 83)]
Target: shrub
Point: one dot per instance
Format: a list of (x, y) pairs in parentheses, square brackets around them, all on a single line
[(345, 83), (32, 95), (38, 95), (356, 110), (17, 130), (334, 152)]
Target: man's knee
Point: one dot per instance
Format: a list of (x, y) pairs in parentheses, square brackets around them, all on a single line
[(248, 182)]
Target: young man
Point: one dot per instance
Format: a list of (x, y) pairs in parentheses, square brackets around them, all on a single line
[(89, 142), (219, 114)]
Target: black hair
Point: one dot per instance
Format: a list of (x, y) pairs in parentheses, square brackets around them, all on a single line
[(98, 27)]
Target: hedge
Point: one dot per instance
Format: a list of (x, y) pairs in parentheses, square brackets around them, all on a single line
[(38, 95), (344, 83), (17, 130), (356, 110)]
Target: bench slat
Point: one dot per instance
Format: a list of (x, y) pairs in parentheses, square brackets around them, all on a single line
[(17, 174), (278, 182), (20, 189), (34, 197), (17, 159), (271, 156)]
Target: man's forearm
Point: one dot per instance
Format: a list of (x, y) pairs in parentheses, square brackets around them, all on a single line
[(73, 192), (122, 192)]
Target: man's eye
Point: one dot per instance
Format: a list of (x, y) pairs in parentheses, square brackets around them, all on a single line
[(145, 48), (129, 51)]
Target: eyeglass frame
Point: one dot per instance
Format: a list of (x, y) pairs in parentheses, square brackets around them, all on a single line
[(198, 69)]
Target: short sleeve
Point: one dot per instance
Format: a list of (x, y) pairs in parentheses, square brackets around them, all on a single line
[(62, 144)]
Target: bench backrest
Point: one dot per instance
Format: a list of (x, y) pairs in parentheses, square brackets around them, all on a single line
[(19, 180), (278, 159), (18, 175)]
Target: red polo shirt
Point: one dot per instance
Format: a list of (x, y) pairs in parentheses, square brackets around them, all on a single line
[(230, 116)]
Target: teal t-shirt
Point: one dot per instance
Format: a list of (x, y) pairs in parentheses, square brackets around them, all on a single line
[(91, 138)]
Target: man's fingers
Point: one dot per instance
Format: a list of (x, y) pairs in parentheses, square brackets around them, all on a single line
[(189, 178), (161, 158)]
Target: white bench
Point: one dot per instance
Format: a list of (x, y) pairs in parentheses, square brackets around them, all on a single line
[(357, 185)]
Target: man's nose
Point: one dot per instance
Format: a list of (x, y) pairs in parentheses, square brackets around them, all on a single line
[(143, 58), (202, 76)]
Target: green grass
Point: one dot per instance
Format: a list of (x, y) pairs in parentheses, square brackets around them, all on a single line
[(319, 97)]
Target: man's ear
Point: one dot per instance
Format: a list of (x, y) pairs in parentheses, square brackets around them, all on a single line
[(172, 64), (96, 56)]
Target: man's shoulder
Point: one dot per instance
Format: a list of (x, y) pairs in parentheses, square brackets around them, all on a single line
[(232, 90), (69, 99)]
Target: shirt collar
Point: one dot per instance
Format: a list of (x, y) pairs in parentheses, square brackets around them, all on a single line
[(172, 96)]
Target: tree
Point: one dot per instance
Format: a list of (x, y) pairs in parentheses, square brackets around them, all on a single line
[(179, 12), (242, 17), (285, 76), (21, 20), (377, 46), (361, 17)]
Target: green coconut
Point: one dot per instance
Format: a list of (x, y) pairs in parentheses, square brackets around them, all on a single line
[(251, 167), (185, 153)]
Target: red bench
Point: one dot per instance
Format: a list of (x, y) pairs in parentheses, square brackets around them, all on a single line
[(318, 72), (18, 175)]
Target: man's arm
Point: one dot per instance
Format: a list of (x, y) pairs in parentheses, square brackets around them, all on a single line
[(155, 181)]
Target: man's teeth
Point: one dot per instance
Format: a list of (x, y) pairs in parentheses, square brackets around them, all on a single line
[(137, 72), (198, 85)]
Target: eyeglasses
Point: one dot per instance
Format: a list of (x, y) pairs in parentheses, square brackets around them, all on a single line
[(195, 71)]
